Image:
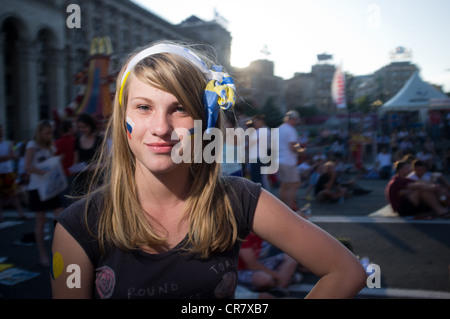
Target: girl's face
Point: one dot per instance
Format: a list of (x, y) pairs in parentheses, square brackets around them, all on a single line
[(47, 134), (83, 128), (152, 115)]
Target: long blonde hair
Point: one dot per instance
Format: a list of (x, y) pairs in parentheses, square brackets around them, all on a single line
[(122, 223)]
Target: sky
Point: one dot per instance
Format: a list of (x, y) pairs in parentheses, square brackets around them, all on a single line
[(359, 34)]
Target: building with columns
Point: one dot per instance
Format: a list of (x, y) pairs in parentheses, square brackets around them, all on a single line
[(32, 64)]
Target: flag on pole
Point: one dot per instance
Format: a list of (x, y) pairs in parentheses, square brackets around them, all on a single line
[(338, 89)]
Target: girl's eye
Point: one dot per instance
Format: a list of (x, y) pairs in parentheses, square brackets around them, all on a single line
[(143, 107), (180, 109)]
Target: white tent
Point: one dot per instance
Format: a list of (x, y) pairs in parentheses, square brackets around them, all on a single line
[(415, 95)]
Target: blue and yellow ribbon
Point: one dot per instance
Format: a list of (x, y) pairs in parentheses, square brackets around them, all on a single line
[(219, 94)]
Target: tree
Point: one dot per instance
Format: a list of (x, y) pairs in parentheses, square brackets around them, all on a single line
[(363, 104), (273, 116), (307, 111)]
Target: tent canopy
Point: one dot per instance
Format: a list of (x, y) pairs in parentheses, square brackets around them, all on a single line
[(415, 95)]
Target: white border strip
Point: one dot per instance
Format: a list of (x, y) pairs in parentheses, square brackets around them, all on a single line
[(380, 220), (385, 292)]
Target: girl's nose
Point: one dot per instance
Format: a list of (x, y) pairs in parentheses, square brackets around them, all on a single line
[(159, 124)]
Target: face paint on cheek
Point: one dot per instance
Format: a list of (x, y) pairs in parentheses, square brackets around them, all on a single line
[(192, 132), (130, 126)]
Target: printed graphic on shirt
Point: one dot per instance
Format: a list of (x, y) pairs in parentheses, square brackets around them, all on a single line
[(225, 289), (227, 286), (105, 281)]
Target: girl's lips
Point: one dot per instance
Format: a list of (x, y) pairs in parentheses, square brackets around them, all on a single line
[(160, 147)]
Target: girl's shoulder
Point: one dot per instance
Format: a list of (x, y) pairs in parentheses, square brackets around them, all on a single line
[(81, 220), (82, 216), (241, 185), (243, 195)]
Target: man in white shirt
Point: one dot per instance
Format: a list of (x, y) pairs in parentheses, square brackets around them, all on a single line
[(421, 173), (288, 159)]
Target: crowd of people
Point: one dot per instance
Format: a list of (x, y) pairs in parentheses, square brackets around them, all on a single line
[(73, 143), (325, 174), (332, 173), (407, 160), (413, 187)]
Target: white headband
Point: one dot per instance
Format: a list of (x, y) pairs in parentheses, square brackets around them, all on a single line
[(165, 48)]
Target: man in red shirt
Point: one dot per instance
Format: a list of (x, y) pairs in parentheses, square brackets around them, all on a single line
[(264, 274), (65, 146), (409, 197)]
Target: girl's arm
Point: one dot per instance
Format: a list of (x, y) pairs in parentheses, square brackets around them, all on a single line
[(29, 168), (66, 251), (341, 274)]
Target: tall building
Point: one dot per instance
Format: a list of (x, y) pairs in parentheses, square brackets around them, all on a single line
[(312, 89), (360, 86), (257, 83), (300, 90), (392, 77), (211, 32), (42, 49)]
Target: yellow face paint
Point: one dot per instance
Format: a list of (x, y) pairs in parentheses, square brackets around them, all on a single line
[(121, 87), (57, 265)]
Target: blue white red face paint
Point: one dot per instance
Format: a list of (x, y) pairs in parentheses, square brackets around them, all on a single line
[(130, 126)]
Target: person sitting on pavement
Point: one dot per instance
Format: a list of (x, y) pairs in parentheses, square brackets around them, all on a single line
[(344, 179), (413, 198), (313, 178), (272, 274), (327, 188), (421, 173)]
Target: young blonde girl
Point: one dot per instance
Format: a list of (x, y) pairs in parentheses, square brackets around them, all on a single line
[(39, 149), (158, 229)]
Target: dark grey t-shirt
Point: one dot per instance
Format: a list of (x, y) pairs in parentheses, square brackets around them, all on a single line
[(173, 274)]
